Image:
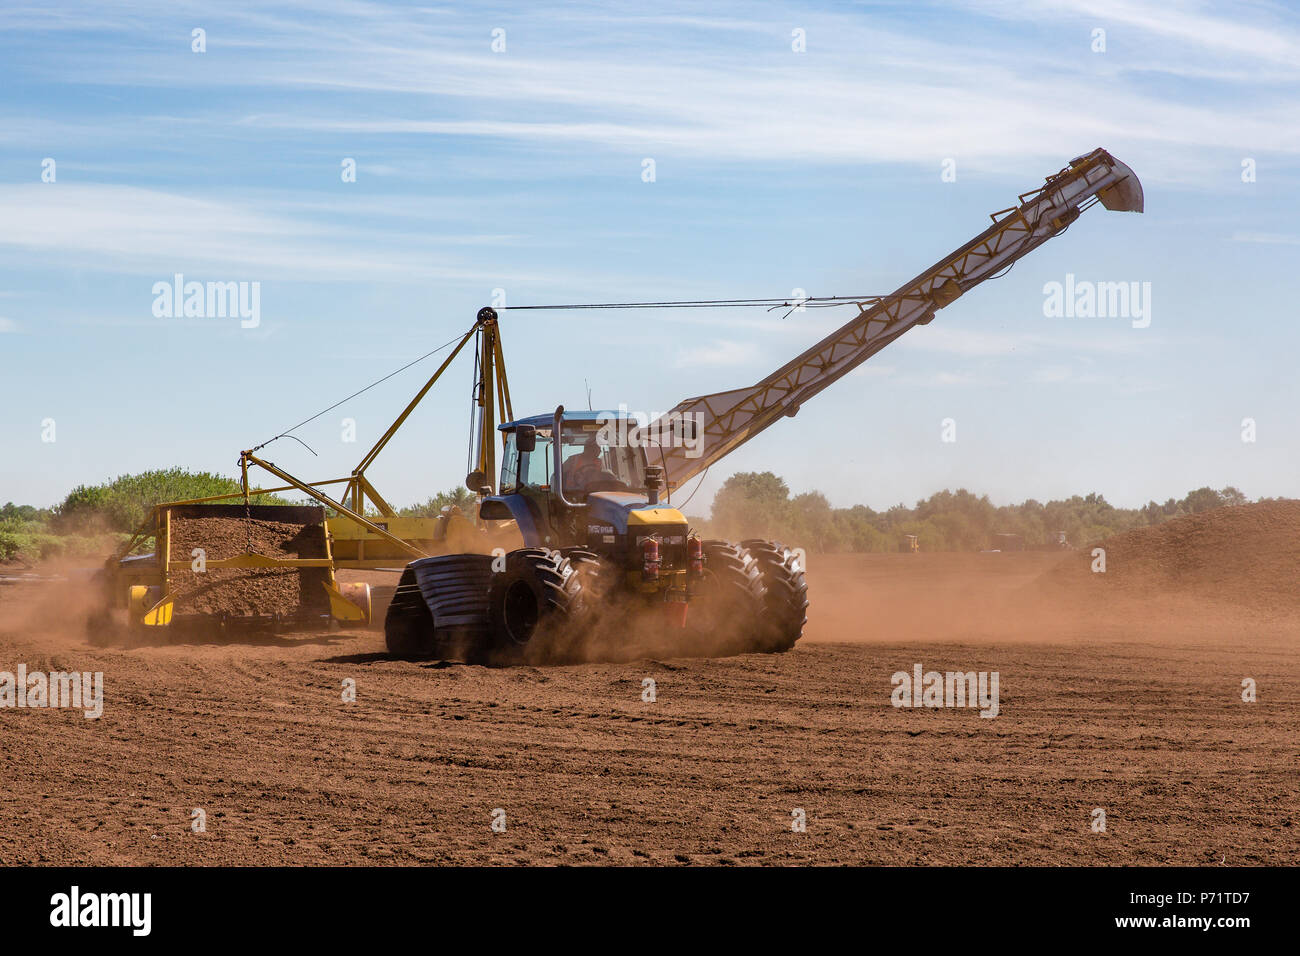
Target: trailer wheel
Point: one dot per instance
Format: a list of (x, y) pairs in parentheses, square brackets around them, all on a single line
[(103, 628), (786, 601)]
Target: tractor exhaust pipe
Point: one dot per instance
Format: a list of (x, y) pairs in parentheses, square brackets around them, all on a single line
[(654, 476), (557, 444)]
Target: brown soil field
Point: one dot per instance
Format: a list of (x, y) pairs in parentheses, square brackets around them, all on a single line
[(1124, 696)]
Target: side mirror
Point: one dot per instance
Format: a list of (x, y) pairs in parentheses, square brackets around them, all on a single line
[(494, 509), (526, 438)]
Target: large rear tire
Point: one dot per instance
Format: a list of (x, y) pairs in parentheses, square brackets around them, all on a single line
[(440, 609), (786, 601), (538, 606), (725, 615)]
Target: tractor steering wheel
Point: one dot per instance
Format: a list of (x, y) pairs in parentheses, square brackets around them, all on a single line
[(586, 473), (606, 481), (593, 476)]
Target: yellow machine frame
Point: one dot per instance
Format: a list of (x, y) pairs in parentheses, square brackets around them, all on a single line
[(353, 540)]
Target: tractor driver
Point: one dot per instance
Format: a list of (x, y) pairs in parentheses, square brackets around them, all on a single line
[(583, 467)]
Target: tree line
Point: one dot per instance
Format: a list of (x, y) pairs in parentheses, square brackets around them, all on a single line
[(94, 519), (759, 505)]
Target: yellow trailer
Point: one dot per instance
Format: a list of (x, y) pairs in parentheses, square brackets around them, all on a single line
[(357, 529)]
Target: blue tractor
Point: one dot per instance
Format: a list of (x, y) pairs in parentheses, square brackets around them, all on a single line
[(602, 558)]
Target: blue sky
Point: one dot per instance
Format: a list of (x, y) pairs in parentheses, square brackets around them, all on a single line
[(522, 170)]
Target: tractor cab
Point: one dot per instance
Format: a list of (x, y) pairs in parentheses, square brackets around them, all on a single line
[(585, 489), (592, 455)]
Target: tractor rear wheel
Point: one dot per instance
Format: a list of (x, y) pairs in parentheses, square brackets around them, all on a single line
[(440, 609), (726, 609), (537, 605), (786, 601)]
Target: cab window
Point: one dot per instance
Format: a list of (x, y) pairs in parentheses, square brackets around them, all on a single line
[(509, 465), (535, 466)]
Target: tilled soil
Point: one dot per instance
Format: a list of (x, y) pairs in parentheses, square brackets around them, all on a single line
[(1247, 557), (1133, 707)]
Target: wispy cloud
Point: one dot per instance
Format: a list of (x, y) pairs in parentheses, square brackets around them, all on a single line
[(1267, 238), (940, 378), (748, 97), (1251, 31), (1089, 335), (718, 353), (155, 232), (1083, 374)]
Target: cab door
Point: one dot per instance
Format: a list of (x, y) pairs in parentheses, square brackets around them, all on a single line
[(534, 486)]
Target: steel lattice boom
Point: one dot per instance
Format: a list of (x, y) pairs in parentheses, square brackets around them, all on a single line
[(731, 418)]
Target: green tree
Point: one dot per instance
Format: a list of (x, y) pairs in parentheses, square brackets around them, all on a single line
[(459, 497), (753, 504), (122, 504), (1202, 499), (1232, 497)]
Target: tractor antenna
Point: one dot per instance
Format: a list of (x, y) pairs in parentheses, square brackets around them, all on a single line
[(587, 385)]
